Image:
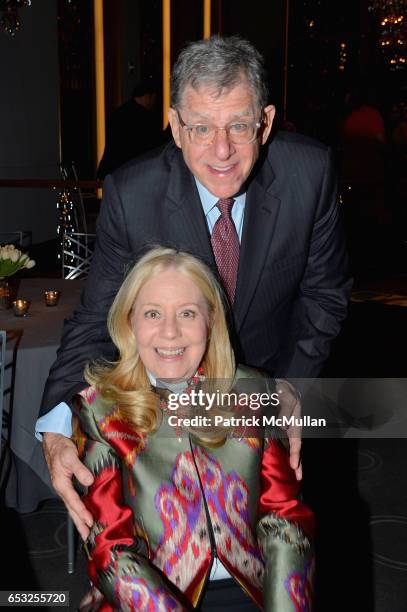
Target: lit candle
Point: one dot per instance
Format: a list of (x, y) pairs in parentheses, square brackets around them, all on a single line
[(51, 297), (21, 307)]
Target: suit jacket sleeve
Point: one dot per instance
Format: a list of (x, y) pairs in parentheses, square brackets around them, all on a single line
[(323, 296), (285, 533), (85, 336), (117, 559)]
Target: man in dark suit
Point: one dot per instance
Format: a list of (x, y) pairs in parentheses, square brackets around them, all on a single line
[(265, 215), (133, 128)]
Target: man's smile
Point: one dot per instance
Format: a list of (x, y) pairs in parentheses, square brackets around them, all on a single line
[(222, 170)]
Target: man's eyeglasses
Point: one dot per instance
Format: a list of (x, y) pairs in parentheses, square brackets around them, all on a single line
[(241, 132)]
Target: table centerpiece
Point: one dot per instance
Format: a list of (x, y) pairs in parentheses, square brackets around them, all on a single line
[(11, 261)]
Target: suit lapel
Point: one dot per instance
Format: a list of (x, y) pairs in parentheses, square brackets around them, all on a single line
[(260, 219), (185, 217)]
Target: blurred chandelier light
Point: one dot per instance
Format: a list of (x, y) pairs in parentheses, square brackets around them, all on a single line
[(385, 5), (392, 24), (10, 19)]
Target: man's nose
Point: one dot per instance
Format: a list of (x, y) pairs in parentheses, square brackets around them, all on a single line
[(223, 147)]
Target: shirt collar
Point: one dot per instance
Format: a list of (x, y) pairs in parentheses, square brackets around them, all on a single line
[(208, 200), (174, 387)]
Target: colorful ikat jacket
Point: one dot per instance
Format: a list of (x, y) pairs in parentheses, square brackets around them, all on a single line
[(157, 522)]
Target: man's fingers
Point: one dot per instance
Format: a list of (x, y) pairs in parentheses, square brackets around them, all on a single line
[(71, 464), (295, 448), (290, 406), (287, 407), (63, 463), (81, 517), (298, 472), (295, 459), (80, 525), (81, 472), (76, 507), (295, 456)]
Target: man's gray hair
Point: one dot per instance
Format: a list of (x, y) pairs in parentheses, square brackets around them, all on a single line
[(220, 63)]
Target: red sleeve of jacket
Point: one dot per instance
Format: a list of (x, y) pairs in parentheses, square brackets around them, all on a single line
[(280, 490), (104, 501)]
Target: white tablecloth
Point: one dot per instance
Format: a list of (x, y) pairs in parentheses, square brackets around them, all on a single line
[(33, 354)]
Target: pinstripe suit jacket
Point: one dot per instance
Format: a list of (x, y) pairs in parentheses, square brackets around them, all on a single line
[(292, 287)]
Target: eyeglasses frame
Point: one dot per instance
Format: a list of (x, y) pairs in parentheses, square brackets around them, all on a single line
[(188, 128)]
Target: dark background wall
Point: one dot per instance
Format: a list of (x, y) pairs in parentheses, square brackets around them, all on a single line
[(29, 122), (263, 24)]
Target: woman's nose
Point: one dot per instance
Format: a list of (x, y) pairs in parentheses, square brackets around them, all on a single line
[(170, 327)]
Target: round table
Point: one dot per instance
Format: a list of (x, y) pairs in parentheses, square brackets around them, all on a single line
[(31, 350)]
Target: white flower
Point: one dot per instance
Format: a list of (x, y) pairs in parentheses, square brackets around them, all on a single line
[(12, 260)]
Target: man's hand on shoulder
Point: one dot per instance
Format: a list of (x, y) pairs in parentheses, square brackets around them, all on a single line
[(62, 459)]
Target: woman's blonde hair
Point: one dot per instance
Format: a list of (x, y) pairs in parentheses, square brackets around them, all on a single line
[(125, 381)]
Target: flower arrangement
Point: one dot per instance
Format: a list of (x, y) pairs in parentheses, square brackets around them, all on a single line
[(12, 260)]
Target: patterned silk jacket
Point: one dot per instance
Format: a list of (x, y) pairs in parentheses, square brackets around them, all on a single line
[(164, 507)]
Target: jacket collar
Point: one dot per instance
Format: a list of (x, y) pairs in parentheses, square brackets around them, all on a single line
[(261, 212), (186, 218)]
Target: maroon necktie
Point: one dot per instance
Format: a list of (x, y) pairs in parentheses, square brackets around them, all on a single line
[(225, 245)]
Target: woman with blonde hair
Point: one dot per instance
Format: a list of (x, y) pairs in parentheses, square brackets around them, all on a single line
[(179, 502)]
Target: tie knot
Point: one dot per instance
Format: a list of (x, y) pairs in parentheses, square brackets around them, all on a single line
[(225, 206)]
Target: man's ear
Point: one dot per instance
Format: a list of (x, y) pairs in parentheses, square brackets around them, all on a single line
[(268, 118), (175, 126)]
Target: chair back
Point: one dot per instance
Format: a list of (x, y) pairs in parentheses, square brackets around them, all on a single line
[(77, 244), (77, 254)]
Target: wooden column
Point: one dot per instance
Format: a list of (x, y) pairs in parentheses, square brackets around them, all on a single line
[(166, 59), (99, 79), (206, 18)]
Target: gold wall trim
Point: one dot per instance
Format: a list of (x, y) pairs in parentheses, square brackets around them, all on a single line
[(166, 59), (207, 18), (99, 79)]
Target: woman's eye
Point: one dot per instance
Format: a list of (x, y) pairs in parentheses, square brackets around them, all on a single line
[(151, 314), (188, 314)]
